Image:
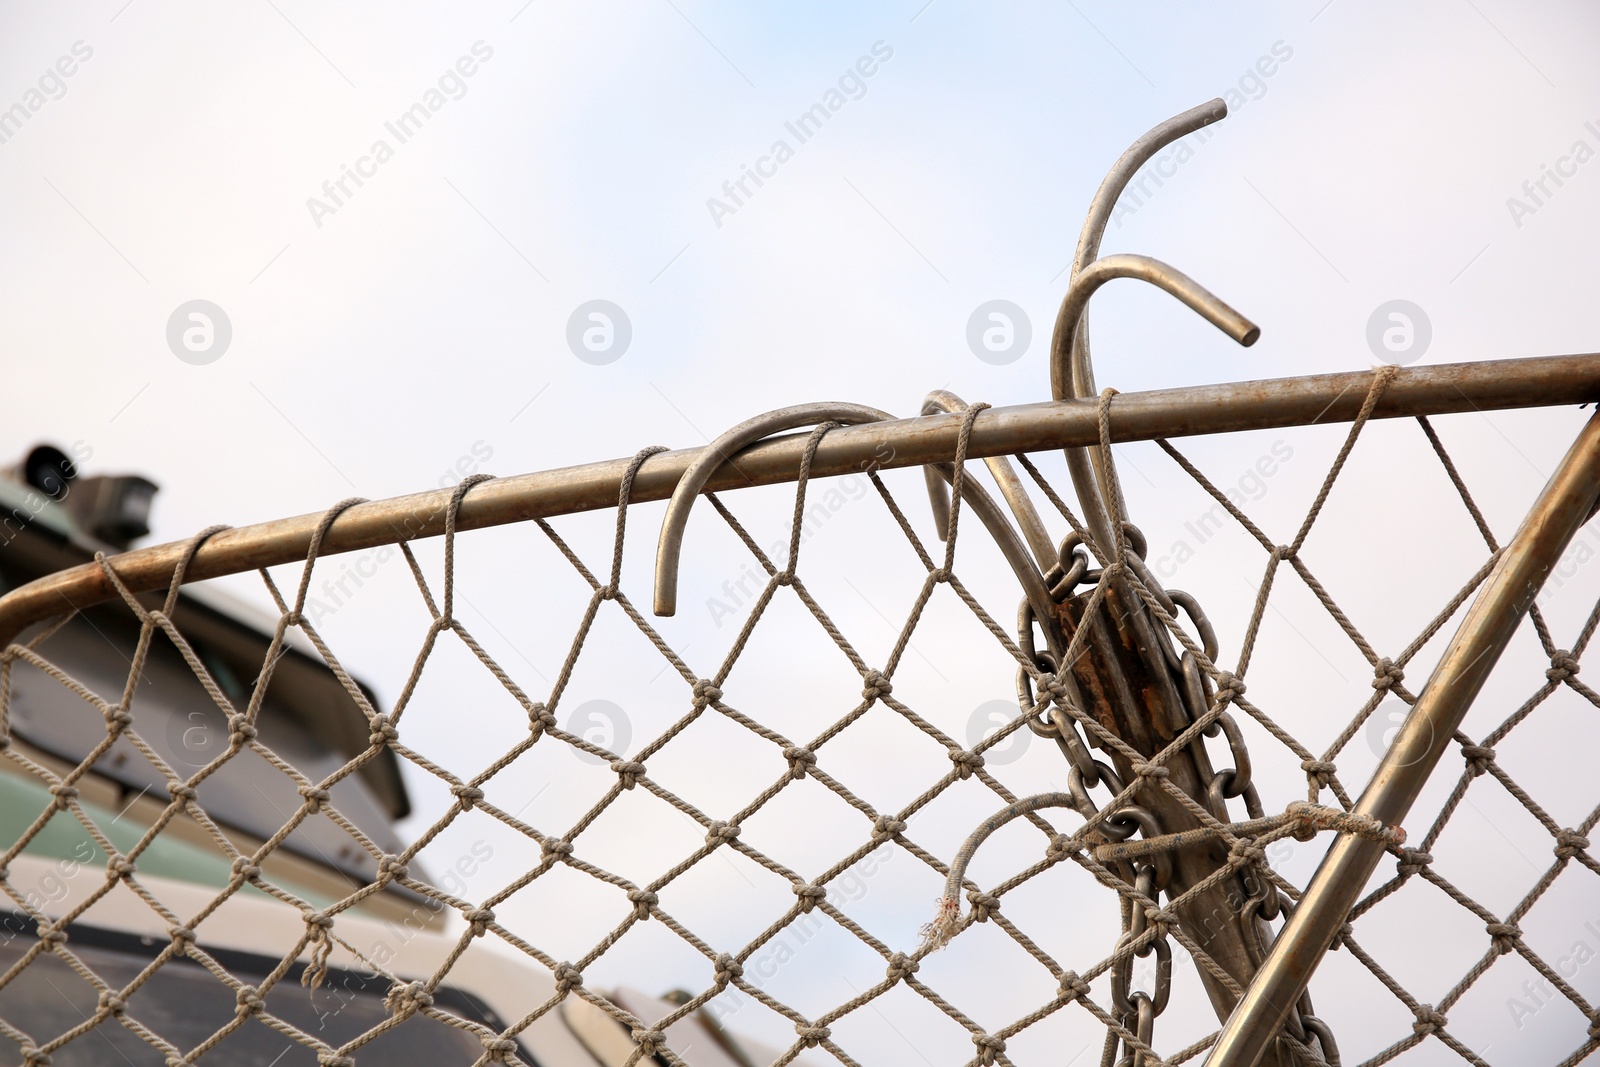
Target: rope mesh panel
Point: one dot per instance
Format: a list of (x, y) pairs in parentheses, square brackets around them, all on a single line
[(1079, 983)]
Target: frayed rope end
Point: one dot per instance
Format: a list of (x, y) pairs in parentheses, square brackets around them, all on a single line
[(1313, 817), (937, 934)]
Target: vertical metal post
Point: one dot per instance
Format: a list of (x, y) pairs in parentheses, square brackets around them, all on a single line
[(1562, 508)]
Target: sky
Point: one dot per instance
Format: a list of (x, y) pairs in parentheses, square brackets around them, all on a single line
[(514, 163)]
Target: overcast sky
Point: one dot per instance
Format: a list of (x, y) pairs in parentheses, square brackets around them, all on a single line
[(513, 162)]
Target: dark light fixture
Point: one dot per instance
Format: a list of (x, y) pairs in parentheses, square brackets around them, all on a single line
[(113, 508), (49, 470)]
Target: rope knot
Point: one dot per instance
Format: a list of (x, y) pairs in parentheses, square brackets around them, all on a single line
[(1245, 853), (720, 831), (182, 938), (320, 941), (244, 870), (540, 719), (112, 1004), (1563, 665), (812, 1036), (1072, 986), (382, 731), (117, 720), (983, 905), (556, 847), (52, 935), (1284, 552), (1386, 675), (1319, 771), (728, 969), (705, 692), (1229, 687), (784, 577), (1411, 861), (121, 866), (1569, 843), (989, 1047), (643, 901), (391, 868), (1061, 846), (886, 826), (1303, 819), (800, 759), (567, 977), (1161, 920), (901, 966), (1505, 936), (875, 685), (247, 999), (241, 731), (1052, 684), (651, 1041), (315, 796), (497, 1047), (809, 895), (1478, 758), (32, 1057), (329, 1058), (939, 575), (467, 795), (1428, 1020), (181, 791), (628, 771), (1149, 770), (966, 762), (64, 795)]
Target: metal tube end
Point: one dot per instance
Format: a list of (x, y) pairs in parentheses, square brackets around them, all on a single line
[(1236, 326), (665, 602)]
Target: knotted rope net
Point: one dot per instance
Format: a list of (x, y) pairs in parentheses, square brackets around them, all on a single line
[(843, 905)]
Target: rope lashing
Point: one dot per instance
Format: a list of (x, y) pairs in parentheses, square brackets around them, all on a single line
[(1305, 817), (1302, 816)]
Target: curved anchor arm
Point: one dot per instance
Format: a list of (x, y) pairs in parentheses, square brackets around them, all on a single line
[(1116, 180), (720, 451), (1071, 375), (1005, 476), (1033, 529), (1081, 462), (670, 546), (1123, 170)]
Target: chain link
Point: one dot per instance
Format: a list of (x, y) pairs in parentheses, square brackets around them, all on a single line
[(1137, 1010), (1138, 1007)]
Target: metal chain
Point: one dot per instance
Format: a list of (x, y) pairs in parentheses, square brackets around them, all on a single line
[(1136, 1010)]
